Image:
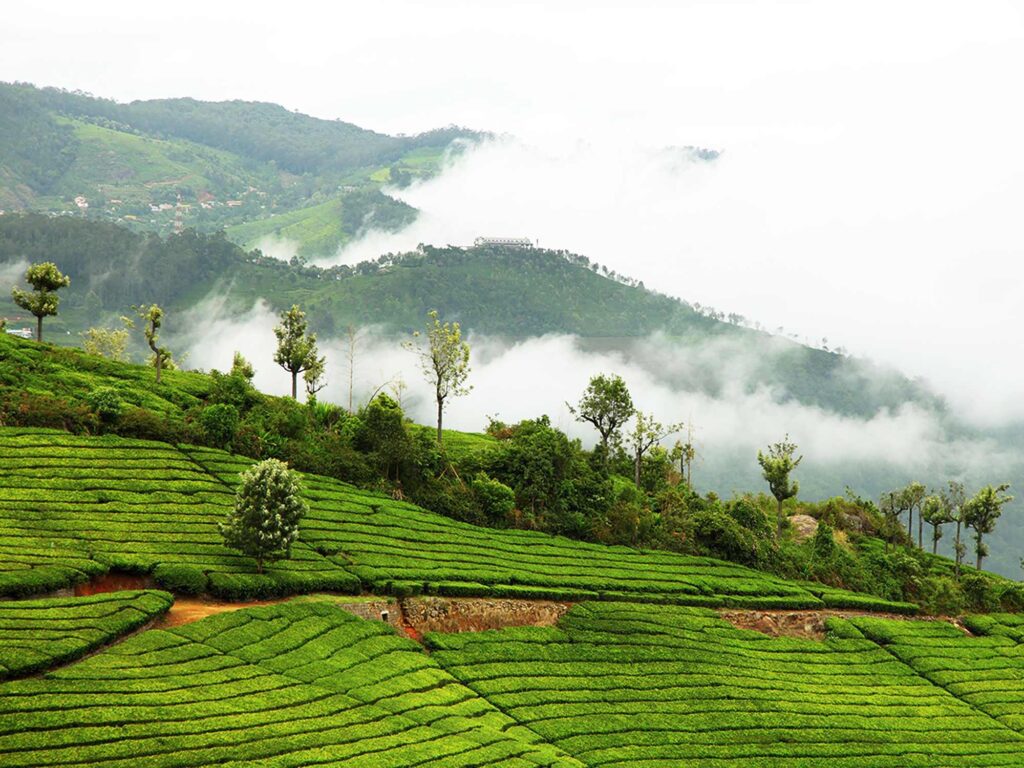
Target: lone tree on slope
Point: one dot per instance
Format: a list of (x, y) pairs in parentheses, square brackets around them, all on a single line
[(268, 507), (444, 361), (296, 349), (645, 435), (153, 317), (776, 466), (607, 405), (42, 300), (936, 512), (981, 514)]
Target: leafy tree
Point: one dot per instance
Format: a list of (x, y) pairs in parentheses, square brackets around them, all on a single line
[(981, 514), (108, 342), (936, 512), (496, 499), (313, 377), (153, 317), (296, 349), (242, 368), (106, 403), (607, 405), (776, 466), (645, 435), (265, 520), (444, 361), (42, 300)]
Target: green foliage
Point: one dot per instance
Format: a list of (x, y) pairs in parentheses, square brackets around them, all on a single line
[(180, 579), (265, 520), (220, 423), (296, 348), (42, 300), (981, 514), (607, 405), (444, 361), (153, 318), (776, 466), (106, 402)]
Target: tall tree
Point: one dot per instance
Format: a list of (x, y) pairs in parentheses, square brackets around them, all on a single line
[(444, 361), (645, 435), (891, 506), (268, 507), (153, 318), (776, 467), (296, 349), (352, 337), (981, 514), (607, 405), (935, 511), (42, 300), (956, 498)]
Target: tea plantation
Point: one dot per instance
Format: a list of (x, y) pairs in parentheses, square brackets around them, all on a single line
[(626, 685), (304, 683), (74, 506)]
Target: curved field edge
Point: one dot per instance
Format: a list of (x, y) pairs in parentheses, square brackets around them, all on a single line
[(36, 635), (73, 507)]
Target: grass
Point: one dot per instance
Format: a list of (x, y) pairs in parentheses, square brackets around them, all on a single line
[(74, 506), (626, 685), (38, 634)]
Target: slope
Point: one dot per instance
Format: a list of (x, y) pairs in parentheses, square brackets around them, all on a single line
[(73, 506)]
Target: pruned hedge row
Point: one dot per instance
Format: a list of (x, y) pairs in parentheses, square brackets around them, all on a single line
[(36, 635), (986, 671)]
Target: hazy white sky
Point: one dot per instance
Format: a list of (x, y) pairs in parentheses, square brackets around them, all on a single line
[(871, 188)]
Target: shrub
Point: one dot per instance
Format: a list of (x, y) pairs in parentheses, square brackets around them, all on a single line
[(106, 403), (147, 425), (981, 593), (495, 499), (942, 596), (219, 423), (180, 579)]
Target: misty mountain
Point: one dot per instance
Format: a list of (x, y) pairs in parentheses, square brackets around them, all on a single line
[(499, 292), (166, 164)]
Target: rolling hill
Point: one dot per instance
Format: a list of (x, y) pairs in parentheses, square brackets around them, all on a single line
[(164, 164)]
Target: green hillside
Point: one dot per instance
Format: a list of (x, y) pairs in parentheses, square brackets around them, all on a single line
[(156, 166), (502, 292), (305, 683)]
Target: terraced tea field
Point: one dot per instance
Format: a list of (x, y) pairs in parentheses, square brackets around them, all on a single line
[(626, 685), (39, 634), (303, 683), (73, 506), (289, 685)]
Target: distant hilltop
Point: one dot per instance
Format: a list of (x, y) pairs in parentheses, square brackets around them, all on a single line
[(513, 242)]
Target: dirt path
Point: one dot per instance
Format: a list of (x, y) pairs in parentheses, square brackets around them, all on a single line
[(810, 624)]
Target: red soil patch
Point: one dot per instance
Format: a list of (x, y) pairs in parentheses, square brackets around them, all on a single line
[(186, 610), (113, 582)]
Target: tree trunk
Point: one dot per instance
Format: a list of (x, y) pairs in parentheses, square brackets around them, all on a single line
[(159, 364), (935, 539), (920, 530), (259, 565), (39, 328), (440, 417), (977, 549), (910, 524), (778, 517), (636, 468), (956, 551), (295, 385)]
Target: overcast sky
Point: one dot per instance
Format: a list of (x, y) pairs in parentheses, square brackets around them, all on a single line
[(871, 186)]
